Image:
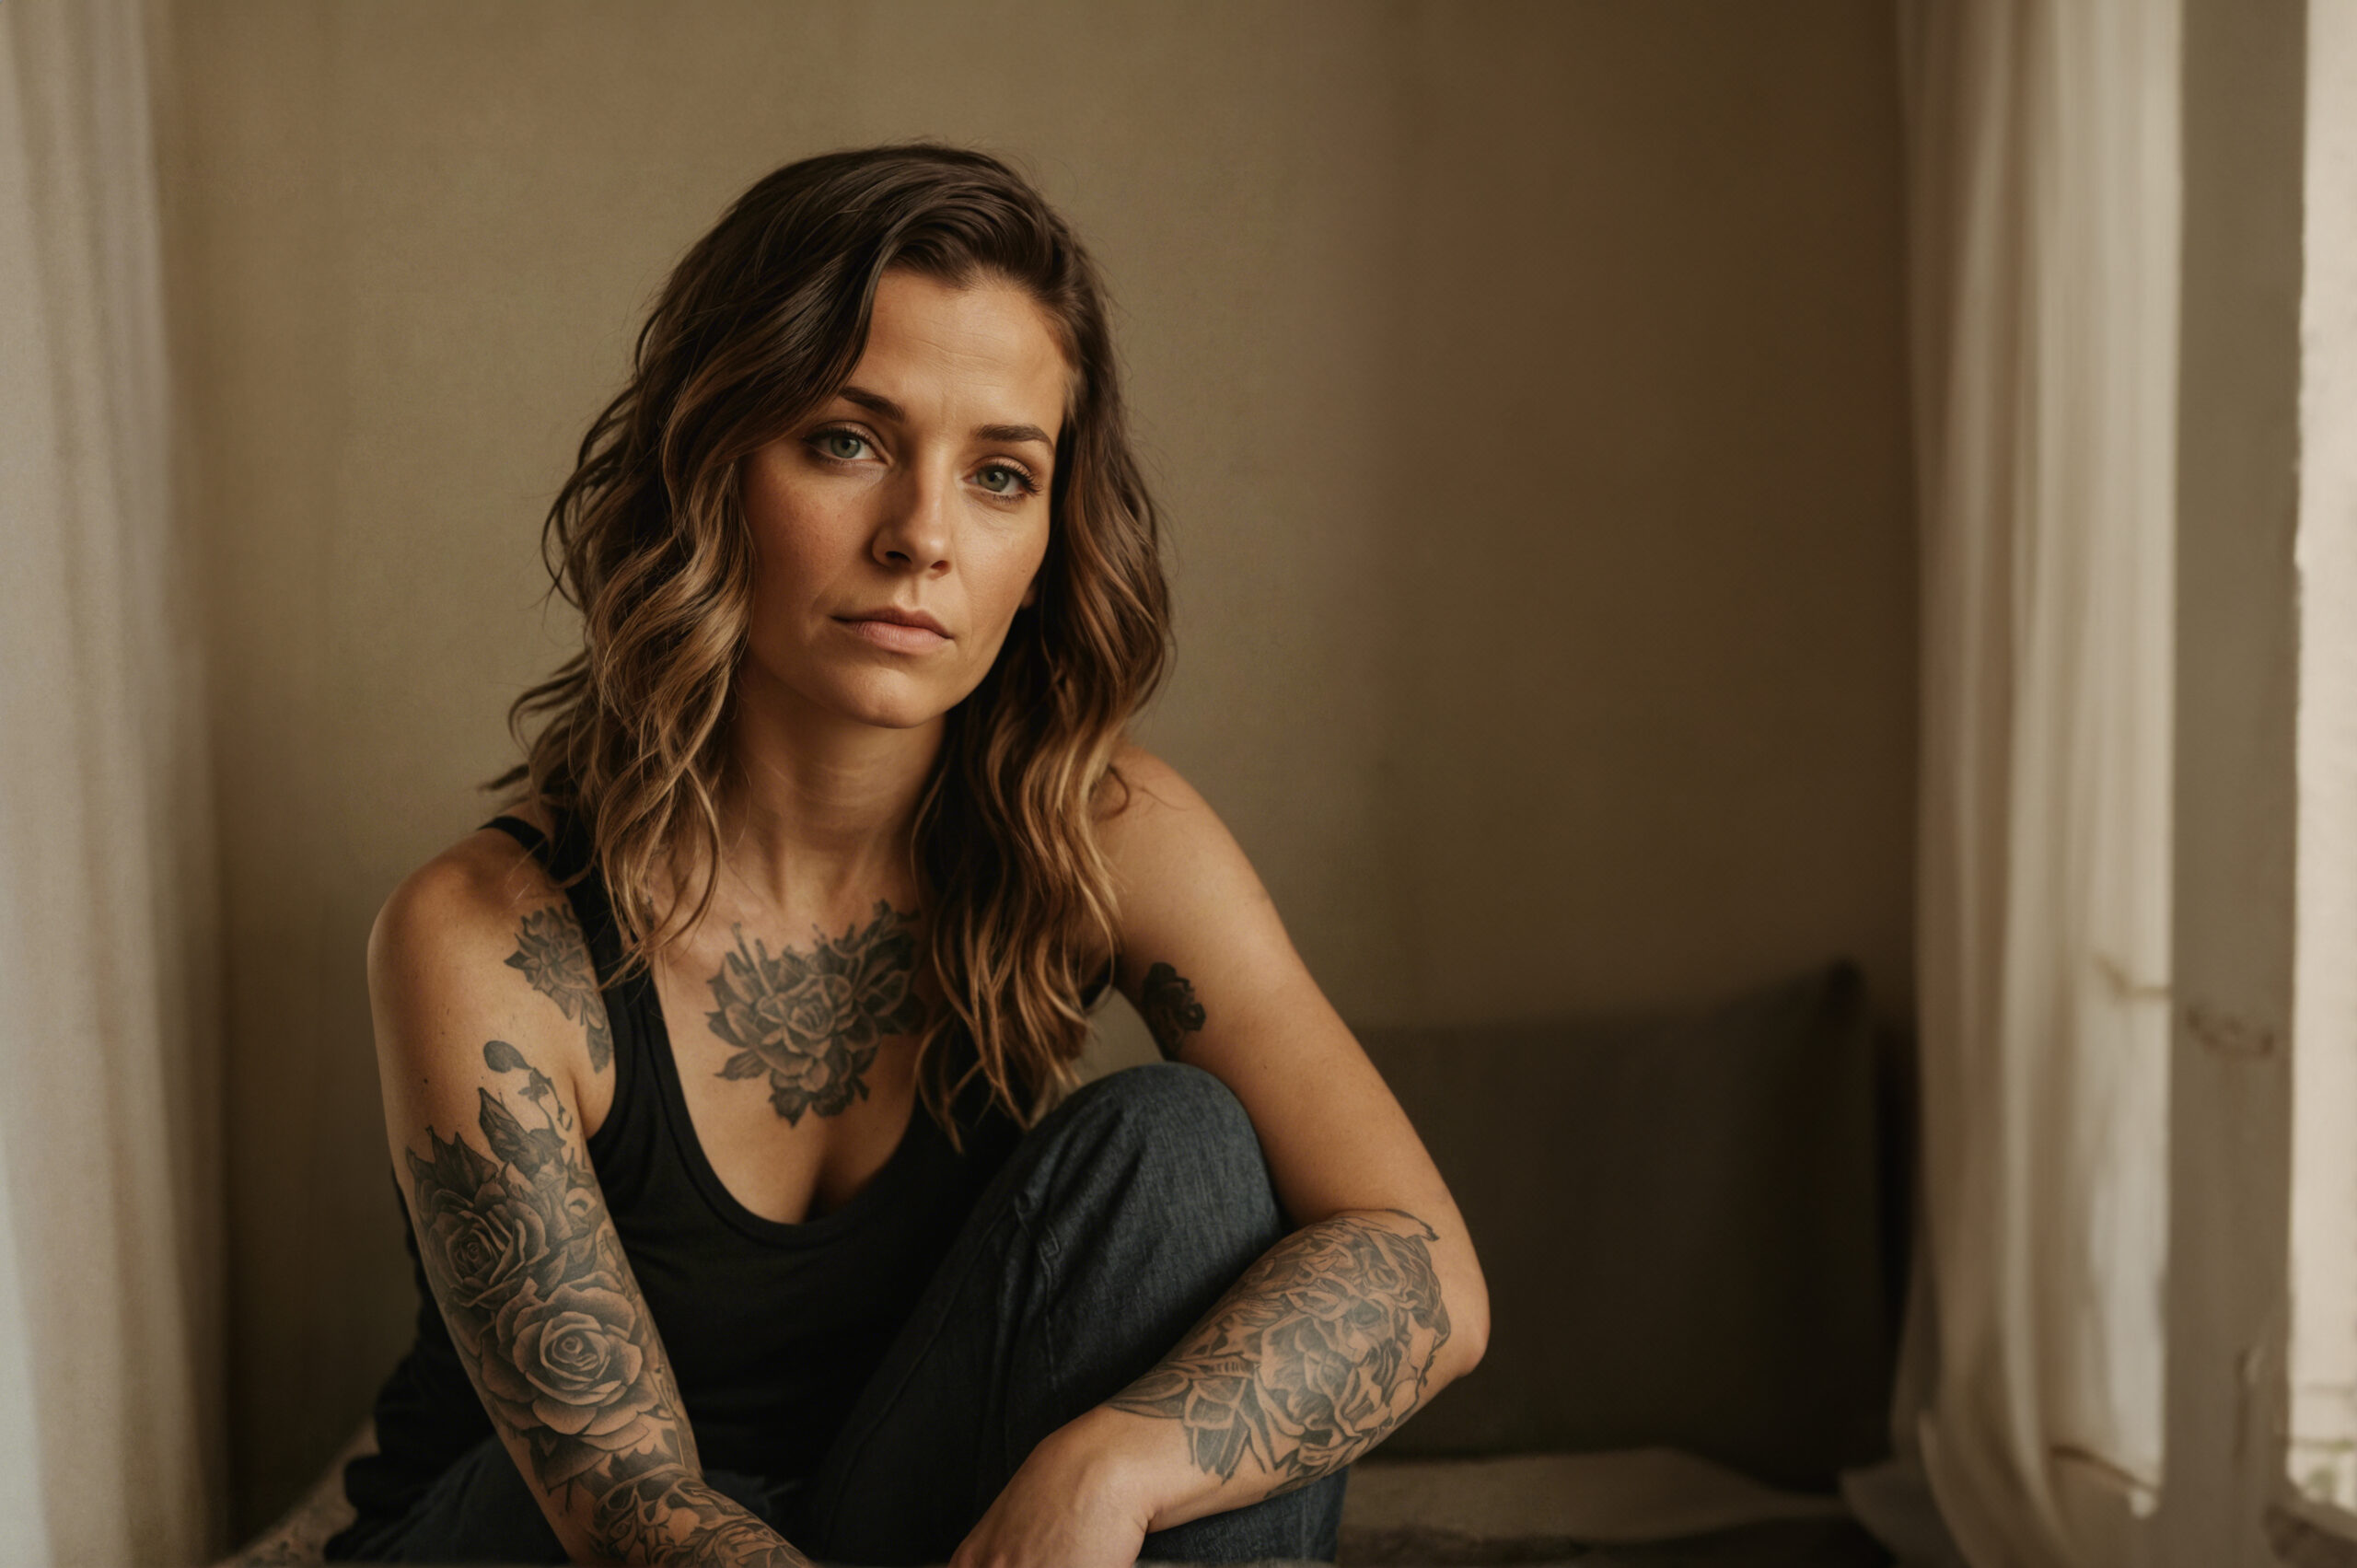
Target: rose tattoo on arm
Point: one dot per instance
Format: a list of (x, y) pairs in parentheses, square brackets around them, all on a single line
[(812, 1022), (1323, 1347), (532, 1281)]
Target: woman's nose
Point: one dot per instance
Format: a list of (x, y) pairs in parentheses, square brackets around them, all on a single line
[(913, 535)]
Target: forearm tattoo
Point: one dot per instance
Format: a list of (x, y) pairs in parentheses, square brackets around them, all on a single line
[(812, 1022), (1171, 1008), (667, 1518), (550, 954), (523, 1256), (1310, 1359)]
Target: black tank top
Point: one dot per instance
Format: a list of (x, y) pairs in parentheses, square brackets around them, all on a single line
[(772, 1328)]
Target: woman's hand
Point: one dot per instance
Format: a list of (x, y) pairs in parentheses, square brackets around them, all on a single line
[(1075, 1504)]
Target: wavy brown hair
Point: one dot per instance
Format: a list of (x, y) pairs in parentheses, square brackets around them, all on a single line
[(759, 323)]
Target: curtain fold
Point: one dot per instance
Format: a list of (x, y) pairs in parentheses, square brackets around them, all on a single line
[(2044, 210), (109, 1283)]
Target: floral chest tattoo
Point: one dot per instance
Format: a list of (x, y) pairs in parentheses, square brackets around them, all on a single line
[(811, 1021)]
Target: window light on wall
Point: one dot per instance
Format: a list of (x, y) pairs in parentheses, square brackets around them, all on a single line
[(2322, 1355)]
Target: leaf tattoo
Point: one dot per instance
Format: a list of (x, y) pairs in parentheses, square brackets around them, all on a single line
[(1321, 1349), (812, 1023), (538, 1293), (502, 1057), (550, 954), (1168, 1000)]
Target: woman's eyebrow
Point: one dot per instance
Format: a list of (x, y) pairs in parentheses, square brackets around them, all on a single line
[(875, 403), (1014, 433), (885, 408)]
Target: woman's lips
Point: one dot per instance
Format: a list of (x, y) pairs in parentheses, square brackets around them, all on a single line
[(899, 636)]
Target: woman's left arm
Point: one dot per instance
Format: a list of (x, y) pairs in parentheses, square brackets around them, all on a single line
[(1371, 1304)]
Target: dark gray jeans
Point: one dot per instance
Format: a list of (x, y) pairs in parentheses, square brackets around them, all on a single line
[(1117, 1223)]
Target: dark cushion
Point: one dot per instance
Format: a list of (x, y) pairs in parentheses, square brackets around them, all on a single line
[(1682, 1226)]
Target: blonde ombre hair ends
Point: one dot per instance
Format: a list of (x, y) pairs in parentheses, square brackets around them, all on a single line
[(760, 322)]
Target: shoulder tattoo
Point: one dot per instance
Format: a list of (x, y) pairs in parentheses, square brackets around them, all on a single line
[(1168, 1000), (550, 954)]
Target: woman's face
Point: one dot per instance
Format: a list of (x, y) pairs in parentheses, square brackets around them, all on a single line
[(898, 529)]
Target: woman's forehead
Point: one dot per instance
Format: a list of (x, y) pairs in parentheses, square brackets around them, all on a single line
[(981, 354)]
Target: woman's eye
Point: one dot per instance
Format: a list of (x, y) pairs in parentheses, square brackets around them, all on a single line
[(843, 445), (1000, 480)]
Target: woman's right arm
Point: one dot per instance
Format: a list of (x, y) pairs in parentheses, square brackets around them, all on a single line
[(482, 1075)]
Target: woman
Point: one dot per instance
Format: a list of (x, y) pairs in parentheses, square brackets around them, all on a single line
[(742, 1021)]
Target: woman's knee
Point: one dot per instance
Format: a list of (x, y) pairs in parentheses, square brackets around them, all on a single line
[(1170, 1146), (1166, 1095)]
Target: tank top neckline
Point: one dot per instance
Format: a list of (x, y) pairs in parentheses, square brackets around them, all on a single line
[(634, 1020)]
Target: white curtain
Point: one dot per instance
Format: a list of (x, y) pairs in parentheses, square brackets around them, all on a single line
[(108, 1320), (2043, 163)]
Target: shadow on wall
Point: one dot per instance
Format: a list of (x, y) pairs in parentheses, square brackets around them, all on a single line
[(1690, 1226)]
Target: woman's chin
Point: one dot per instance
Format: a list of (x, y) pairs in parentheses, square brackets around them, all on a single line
[(871, 697), (888, 705), (897, 718)]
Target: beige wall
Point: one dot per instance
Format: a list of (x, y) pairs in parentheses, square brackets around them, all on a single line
[(1524, 383)]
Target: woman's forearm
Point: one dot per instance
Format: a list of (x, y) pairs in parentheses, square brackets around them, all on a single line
[(670, 1516), (1328, 1341)]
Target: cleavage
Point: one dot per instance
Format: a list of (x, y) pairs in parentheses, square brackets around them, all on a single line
[(796, 1060)]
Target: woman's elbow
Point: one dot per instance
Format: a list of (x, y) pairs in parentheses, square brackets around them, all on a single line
[(1467, 1298)]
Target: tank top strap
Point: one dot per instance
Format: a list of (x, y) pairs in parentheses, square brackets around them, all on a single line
[(571, 863), (535, 842), (565, 856)]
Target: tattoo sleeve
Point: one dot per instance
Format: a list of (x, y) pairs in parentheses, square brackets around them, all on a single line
[(1168, 1000), (1310, 1359), (532, 1278)]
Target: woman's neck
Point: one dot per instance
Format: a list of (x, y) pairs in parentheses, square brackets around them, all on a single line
[(818, 808)]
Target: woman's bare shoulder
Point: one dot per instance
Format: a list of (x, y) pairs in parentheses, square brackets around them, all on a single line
[(478, 944), (477, 964), (1167, 845), (1146, 794), (464, 900)]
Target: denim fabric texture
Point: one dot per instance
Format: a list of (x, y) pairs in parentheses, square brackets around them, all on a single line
[(1113, 1227)]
